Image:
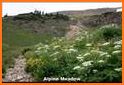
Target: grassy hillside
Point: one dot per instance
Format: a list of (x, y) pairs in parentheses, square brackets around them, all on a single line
[(93, 55), (15, 39), (25, 30)]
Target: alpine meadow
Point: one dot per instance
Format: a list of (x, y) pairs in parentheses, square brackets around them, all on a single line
[(45, 47)]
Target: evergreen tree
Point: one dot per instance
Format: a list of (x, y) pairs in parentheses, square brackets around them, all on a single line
[(6, 15)]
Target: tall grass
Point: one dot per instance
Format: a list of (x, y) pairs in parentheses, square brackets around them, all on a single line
[(15, 39)]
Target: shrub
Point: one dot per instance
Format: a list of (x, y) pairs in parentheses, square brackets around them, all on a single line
[(107, 33)]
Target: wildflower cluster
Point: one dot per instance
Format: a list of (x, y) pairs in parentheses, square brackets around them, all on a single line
[(91, 61)]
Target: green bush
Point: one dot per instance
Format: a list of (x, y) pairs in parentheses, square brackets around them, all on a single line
[(107, 33)]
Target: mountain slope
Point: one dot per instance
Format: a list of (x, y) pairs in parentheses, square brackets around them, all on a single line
[(89, 11), (24, 30)]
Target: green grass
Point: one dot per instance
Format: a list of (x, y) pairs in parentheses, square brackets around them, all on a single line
[(15, 39), (19, 34)]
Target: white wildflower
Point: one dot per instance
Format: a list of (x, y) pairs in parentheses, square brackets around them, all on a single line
[(66, 50), (116, 52), (37, 51), (86, 54), (108, 56), (103, 53), (85, 32), (118, 42), (117, 46), (54, 54), (118, 69), (57, 46), (82, 37), (88, 45), (72, 50), (101, 61), (105, 26), (79, 57), (105, 44), (71, 46), (95, 71), (87, 63), (76, 67), (79, 38), (46, 46), (60, 40), (39, 48), (55, 59)]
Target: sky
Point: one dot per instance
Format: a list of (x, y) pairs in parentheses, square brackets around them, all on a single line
[(19, 8)]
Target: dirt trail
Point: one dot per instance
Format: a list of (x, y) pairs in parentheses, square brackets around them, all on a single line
[(74, 30), (17, 73)]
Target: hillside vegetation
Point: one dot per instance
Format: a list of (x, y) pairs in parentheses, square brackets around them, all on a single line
[(21, 31), (93, 54)]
